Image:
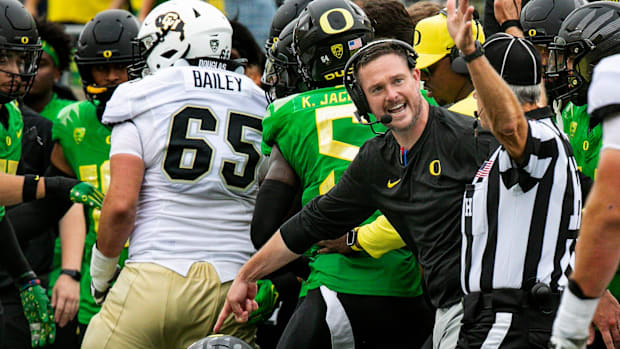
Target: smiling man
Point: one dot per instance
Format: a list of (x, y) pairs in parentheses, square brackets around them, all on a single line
[(415, 174)]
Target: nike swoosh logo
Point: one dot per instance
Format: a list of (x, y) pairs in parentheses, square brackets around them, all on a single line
[(391, 184), (19, 133)]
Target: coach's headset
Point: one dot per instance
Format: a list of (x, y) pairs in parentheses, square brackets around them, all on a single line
[(355, 90)]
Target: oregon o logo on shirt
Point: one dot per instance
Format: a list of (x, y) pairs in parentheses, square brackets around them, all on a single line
[(435, 168), (8, 140), (586, 145), (326, 23)]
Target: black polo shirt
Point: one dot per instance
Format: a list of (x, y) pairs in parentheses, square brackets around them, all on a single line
[(421, 199)]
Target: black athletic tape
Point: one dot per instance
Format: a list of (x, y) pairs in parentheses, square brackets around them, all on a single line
[(29, 189)]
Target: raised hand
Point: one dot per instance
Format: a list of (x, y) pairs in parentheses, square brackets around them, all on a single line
[(459, 25)]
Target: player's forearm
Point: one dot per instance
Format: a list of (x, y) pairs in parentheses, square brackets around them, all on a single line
[(268, 259), (115, 227), (11, 189), (598, 247), (72, 236), (501, 107)]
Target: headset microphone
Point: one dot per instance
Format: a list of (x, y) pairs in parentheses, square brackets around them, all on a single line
[(385, 119)]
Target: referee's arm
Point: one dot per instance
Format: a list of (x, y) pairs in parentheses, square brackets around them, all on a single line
[(500, 106)]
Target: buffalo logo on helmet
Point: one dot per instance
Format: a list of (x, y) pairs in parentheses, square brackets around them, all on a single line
[(337, 50), (214, 44), (170, 21)]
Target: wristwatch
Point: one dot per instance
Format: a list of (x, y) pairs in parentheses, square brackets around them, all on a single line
[(477, 53), (74, 274), (352, 240)]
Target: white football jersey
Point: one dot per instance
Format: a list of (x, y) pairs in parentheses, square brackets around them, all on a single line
[(198, 131)]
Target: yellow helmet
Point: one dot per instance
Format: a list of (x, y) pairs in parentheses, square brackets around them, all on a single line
[(432, 41)]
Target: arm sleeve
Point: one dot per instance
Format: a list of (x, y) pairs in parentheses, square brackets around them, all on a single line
[(379, 237), (11, 255), (273, 203), (125, 139), (330, 216), (47, 210)]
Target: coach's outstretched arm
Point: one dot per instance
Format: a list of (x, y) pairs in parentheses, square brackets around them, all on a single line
[(506, 118), (240, 299)]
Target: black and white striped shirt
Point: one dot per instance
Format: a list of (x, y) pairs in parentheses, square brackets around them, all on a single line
[(519, 223)]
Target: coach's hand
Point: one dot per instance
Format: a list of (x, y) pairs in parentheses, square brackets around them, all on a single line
[(459, 25), (239, 301), (607, 319)]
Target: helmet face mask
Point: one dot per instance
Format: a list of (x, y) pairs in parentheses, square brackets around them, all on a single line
[(587, 35), (18, 66), (105, 40), (281, 74), (20, 50)]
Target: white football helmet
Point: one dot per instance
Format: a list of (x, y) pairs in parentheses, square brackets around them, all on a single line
[(182, 29)]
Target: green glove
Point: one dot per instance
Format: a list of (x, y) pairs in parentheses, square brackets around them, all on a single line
[(267, 299), (38, 312), (85, 193)]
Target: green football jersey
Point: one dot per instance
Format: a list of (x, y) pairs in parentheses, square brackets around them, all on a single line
[(586, 143), (52, 109), (319, 136), (86, 145), (10, 142)]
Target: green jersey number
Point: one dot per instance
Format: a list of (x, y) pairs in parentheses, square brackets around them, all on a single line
[(328, 146), (189, 155)]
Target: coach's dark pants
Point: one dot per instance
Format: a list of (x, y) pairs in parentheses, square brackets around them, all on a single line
[(376, 322), (507, 319)]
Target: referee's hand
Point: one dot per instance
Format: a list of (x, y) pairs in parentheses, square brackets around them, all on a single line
[(335, 246), (239, 301), (607, 320)]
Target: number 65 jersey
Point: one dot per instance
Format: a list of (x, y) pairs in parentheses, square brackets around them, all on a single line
[(198, 131)]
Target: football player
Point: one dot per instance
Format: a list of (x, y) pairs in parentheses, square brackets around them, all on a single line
[(56, 45), (311, 138), (83, 144), (20, 51), (184, 165)]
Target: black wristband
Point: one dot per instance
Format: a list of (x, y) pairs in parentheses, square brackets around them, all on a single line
[(510, 23), (479, 52), (59, 187), (74, 274), (29, 189), (574, 287)]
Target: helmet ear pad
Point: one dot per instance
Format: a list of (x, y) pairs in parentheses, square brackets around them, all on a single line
[(354, 87)]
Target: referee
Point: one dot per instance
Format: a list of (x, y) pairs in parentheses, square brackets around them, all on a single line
[(521, 214)]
